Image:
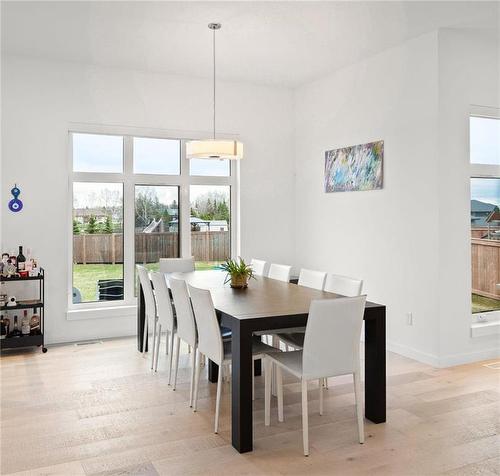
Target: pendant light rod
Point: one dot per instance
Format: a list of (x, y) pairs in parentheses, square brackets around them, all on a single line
[(214, 27)]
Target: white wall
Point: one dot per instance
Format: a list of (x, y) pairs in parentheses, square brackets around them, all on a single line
[(468, 75), (41, 98), (388, 237), (411, 240)]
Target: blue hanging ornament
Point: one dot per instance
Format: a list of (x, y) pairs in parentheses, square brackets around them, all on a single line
[(15, 205)]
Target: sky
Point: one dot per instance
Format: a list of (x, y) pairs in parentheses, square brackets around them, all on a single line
[(104, 153), (485, 190), (484, 141)]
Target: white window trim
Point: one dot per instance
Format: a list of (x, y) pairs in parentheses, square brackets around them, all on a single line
[(484, 323), (103, 309)]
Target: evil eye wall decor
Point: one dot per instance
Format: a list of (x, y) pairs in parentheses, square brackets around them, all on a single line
[(15, 205)]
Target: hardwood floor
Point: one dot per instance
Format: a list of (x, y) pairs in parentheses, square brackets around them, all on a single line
[(97, 409)]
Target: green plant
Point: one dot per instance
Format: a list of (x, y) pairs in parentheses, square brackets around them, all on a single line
[(237, 269), (92, 225), (108, 225)]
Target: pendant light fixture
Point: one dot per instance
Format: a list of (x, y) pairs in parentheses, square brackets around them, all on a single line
[(214, 148)]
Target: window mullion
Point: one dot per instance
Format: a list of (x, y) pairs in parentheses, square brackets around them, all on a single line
[(128, 221)]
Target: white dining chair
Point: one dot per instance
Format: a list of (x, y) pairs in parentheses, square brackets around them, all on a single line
[(149, 311), (176, 265), (186, 327), (211, 345), (280, 272), (343, 285), (312, 279), (334, 283), (331, 348), (165, 320), (259, 267)]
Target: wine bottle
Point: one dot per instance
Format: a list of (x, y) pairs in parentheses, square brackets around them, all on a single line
[(20, 260), (15, 332), (25, 324)]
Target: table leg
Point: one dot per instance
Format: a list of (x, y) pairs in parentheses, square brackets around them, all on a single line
[(213, 372), (375, 368), (141, 319), (242, 368)]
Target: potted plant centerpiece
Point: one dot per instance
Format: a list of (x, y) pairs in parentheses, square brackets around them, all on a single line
[(238, 272)]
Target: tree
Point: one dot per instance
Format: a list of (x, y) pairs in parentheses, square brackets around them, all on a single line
[(76, 227), (108, 226), (92, 226)]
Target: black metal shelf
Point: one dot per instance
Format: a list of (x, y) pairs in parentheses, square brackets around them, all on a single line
[(23, 341), (30, 340), (3, 279), (34, 304)]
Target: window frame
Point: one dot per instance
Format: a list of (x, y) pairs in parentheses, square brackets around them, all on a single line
[(484, 171), (130, 180)]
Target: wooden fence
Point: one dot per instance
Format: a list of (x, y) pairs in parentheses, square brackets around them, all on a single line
[(486, 267), (150, 247)]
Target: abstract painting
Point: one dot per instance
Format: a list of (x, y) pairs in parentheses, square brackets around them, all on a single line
[(354, 168)]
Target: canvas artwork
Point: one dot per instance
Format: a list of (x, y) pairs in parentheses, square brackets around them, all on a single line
[(354, 168)]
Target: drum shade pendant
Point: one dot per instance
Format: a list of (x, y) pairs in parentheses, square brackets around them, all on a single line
[(214, 148)]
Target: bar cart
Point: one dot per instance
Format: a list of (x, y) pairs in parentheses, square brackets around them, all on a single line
[(37, 337)]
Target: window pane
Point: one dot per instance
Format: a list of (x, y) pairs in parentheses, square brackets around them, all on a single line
[(484, 141), (97, 242), (210, 224), (212, 168), (97, 153), (485, 233), (156, 224), (157, 156)]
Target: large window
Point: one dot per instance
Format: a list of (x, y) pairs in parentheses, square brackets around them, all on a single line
[(138, 199), (485, 213)]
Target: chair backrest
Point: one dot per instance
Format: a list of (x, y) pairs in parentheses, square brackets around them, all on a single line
[(176, 265), (343, 285), (209, 336), (331, 341), (186, 327), (312, 279), (147, 290), (280, 271), (163, 302), (259, 267)]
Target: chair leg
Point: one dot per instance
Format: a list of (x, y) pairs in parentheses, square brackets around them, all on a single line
[(268, 368), (197, 380), (279, 389), (359, 407), (145, 337), (193, 370), (321, 380), (170, 357), (326, 383), (158, 342), (153, 343), (166, 342), (305, 420), (217, 400), (177, 352)]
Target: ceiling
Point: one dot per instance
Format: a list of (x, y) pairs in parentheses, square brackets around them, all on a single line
[(286, 43)]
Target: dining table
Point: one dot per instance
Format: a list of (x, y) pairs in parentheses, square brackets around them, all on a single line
[(267, 305)]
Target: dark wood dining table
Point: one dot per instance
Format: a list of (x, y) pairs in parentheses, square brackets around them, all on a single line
[(269, 304)]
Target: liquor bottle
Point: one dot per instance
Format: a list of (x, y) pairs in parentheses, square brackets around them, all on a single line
[(25, 324), (20, 260), (4, 327), (15, 332)]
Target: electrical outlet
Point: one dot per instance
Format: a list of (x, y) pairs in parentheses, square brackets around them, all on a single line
[(409, 318)]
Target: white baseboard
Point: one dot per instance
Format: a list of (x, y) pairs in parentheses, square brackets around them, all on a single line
[(470, 357), (414, 354), (445, 361)]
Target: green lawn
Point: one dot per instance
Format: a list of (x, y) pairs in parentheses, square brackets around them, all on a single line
[(483, 304), (85, 276)]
